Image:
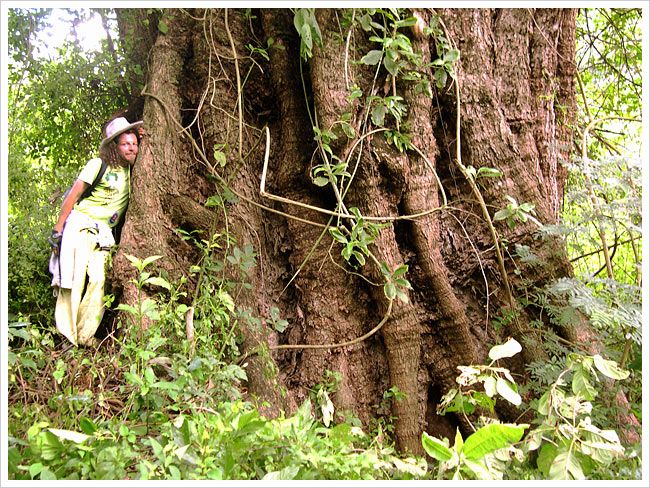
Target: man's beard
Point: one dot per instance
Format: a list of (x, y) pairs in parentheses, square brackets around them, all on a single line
[(125, 163)]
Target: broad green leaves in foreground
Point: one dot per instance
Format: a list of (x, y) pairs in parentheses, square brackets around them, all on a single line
[(568, 443)]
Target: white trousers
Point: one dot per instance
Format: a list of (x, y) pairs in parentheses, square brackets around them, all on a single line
[(80, 309)]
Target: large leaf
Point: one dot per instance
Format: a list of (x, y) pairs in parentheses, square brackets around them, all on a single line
[(610, 368), (507, 350), (566, 466), (582, 386), (436, 448), (491, 437), (49, 445), (546, 456), (507, 391)]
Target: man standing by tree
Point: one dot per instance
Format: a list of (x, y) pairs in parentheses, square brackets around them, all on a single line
[(82, 237)]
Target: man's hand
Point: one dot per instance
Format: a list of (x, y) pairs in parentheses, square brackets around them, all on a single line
[(55, 241)]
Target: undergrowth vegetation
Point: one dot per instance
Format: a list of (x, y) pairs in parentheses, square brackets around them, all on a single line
[(159, 403)]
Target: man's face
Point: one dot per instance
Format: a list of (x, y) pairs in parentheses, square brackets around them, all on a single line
[(127, 147)]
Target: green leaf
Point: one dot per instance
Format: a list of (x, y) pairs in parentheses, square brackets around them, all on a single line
[(162, 27), (378, 114), (544, 405), (133, 379), (491, 437), (46, 474), (401, 282), (486, 172), (458, 441), (304, 412), (390, 291), (403, 297), (436, 448), (149, 375), (507, 350), (299, 18), (305, 35), (127, 308), (527, 207), (174, 472), (480, 471), (609, 368), (87, 426), (415, 467), (220, 158), (348, 130), (135, 261), (451, 56), (337, 235), (534, 440), (407, 22), (372, 58), (546, 456), (288, 473), (361, 259), (147, 261), (440, 75), (50, 446), (581, 385), (158, 281), (321, 181), (166, 385), (355, 93), (35, 469), (229, 196), (148, 306), (401, 270), (566, 466), (502, 214), (512, 201), (391, 65)]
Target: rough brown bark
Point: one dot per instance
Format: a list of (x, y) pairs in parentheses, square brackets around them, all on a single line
[(322, 318), (514, 126)]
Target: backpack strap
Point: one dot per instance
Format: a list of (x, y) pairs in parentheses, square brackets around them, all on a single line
[(98, 178)]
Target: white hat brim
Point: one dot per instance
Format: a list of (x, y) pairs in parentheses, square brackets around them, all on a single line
[(121, 131)]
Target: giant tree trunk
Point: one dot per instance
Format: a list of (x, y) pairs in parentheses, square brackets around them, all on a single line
[(516, 78)]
